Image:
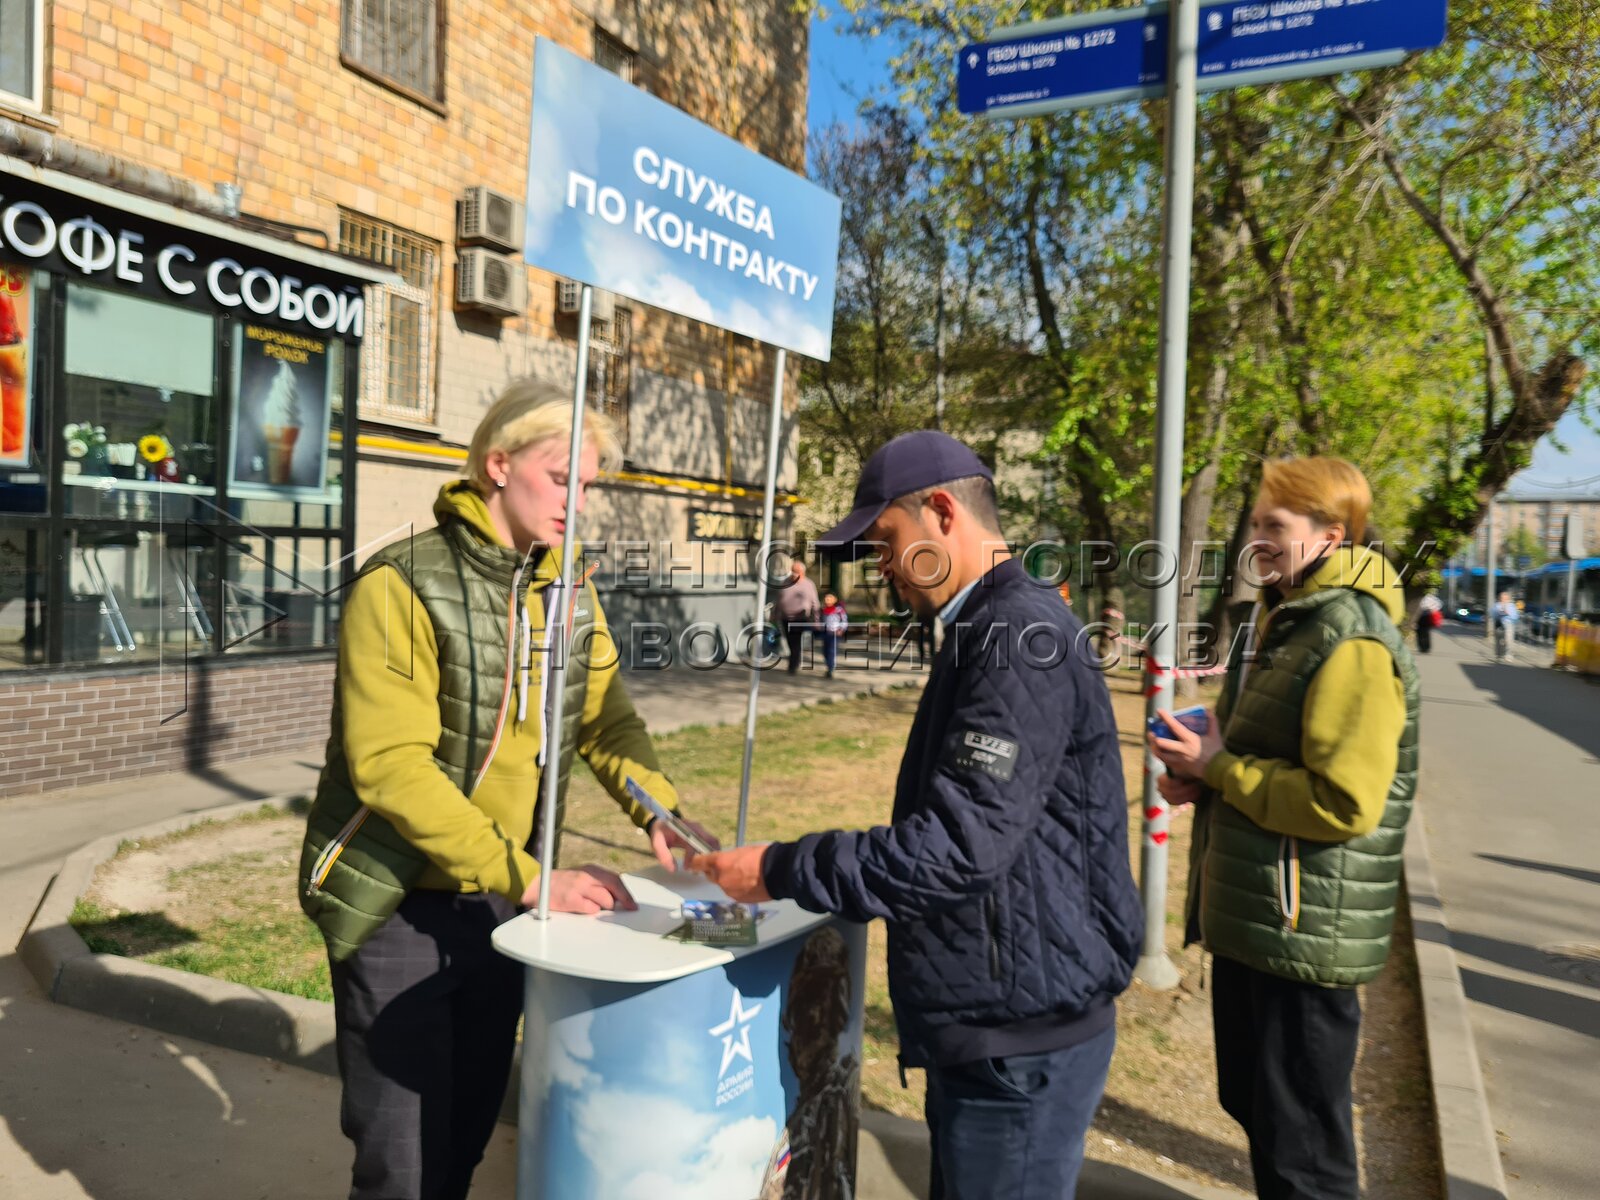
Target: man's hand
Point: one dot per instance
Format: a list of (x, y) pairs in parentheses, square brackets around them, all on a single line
[(663, 841), (1186, 752), (736, 872), (586, 890), (1178, 793)]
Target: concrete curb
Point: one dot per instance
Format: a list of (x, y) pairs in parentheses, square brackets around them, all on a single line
[(1467, 1146), (271, 1024)]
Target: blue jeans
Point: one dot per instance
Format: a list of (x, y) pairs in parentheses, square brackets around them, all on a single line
[(830, 649), (1014, 1127)]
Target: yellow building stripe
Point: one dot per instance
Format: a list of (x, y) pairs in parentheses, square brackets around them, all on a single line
[(372, 442)]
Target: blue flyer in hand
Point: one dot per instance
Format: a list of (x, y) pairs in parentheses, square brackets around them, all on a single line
[(665, 815)]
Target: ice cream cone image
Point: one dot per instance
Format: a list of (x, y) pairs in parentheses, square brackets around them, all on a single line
[(280, 451), (280, 425)]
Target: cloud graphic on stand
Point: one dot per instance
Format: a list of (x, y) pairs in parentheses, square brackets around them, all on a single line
[(671, 1152)]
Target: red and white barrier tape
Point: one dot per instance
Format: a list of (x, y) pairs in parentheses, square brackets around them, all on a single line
[(1155, 670)]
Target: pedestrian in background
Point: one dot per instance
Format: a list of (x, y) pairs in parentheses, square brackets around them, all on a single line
[(1303, 780), (797, 608), (1003, 875), (834, 623), (1430, 615), (1505, 616)]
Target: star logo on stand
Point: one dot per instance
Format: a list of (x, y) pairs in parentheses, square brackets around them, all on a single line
[(735, 1033)]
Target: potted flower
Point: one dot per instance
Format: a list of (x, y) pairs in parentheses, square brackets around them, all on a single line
[(156, 451), (86, 448)]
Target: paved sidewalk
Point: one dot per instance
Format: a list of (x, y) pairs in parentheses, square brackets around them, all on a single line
[(1511, 770), (94, 1109)]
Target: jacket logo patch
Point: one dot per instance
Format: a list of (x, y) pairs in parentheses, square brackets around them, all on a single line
[(982, 752)]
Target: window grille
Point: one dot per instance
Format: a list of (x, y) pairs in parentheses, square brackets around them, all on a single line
[(613, 56), (397, 352), (611, 369), (397, 40)]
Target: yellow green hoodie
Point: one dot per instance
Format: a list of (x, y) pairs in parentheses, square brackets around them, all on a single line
[(392, 726), (1351, 725)]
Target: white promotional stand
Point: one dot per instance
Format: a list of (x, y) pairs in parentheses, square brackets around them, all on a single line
[(654, 1069), (662, 1069)]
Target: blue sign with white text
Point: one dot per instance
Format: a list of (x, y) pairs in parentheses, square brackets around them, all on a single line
[(1121, 54), (632, 195)]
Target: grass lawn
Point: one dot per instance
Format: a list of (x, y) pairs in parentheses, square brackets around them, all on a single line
[(220, 901)]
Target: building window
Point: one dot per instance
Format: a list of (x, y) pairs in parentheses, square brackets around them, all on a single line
[(397, 370), (611, 369), (22, 52), (613, 56), (397, 41)]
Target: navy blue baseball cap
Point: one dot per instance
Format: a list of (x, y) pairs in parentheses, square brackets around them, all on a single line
[(909, 463)]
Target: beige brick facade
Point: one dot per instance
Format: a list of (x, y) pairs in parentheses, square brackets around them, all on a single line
[(257, 93)]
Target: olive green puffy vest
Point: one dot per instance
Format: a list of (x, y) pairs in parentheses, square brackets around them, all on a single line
[(1244, 881), (464, 584)]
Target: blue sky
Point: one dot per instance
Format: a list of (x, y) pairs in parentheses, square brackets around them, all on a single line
[(846, 69), (1579, 460)]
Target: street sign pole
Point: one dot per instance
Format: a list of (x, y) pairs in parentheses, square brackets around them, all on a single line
[(1155, 968), (1572, 551), (1113, 56), (1491, 550)]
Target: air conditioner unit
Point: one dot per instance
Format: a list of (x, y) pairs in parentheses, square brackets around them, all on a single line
[(569, 299), (489, 218), (491, 282)]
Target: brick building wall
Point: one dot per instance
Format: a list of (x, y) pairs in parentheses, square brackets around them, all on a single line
[(258, 94), (255, 93), (70, 730)]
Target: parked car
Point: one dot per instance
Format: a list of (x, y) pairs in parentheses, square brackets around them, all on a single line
[(1469, 614)]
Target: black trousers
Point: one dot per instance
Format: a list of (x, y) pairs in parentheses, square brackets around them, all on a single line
[(426, 1016), (1424, 637), (796, 634), (1285, 1054)]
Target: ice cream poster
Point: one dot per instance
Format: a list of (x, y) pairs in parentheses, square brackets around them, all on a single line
[(16, 353), (280, 428)]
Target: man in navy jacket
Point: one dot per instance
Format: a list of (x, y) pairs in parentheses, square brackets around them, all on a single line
[(1003, 876)]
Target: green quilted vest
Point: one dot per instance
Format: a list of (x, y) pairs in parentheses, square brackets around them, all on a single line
[(464, 584), (1244, 880)]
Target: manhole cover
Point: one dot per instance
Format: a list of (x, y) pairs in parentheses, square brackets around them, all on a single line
[(1576, 961)]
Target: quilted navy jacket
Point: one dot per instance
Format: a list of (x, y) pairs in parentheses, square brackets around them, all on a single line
[(1012, 914)]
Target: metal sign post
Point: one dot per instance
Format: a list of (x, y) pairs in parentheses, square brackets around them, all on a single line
[(1154, 967), (555, 618), (1572, 550), (1491, 551), (1178, 49), (757, 647)]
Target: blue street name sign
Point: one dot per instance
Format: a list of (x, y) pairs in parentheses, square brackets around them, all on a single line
[(1121, 54)]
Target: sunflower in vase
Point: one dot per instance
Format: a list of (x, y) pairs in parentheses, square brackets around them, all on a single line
[(156, 451)]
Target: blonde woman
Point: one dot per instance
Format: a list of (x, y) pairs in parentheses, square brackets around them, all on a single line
[(1304, 776), (422, 836)]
